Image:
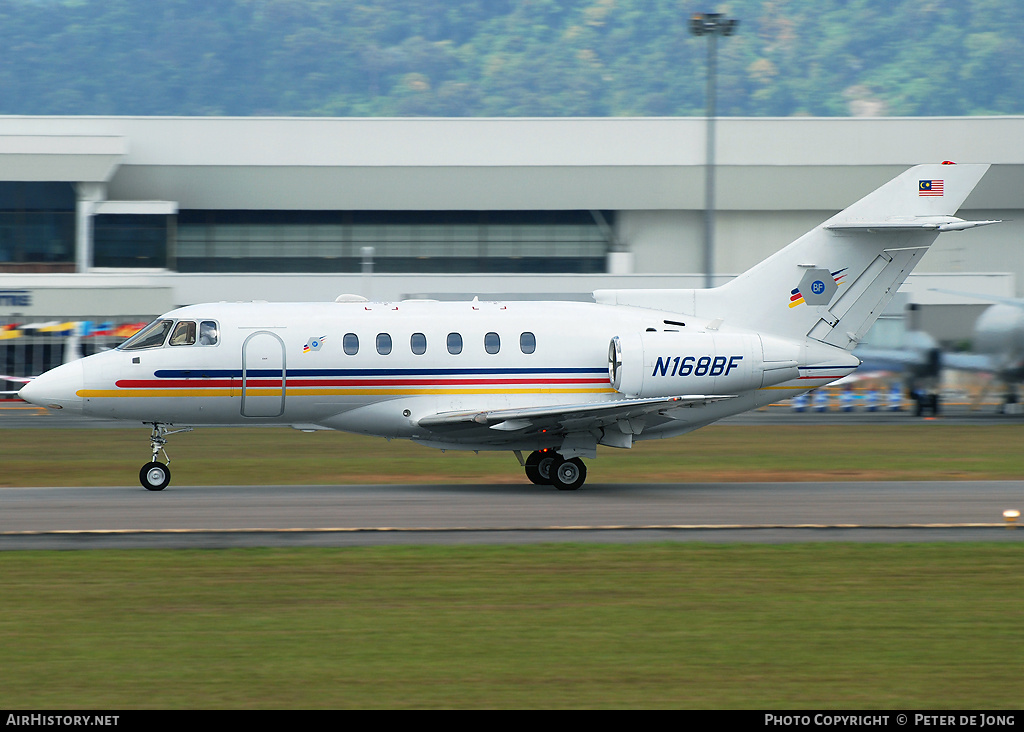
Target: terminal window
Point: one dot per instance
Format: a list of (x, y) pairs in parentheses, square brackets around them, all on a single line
[(402, 241), (131, 240), (37, 223)]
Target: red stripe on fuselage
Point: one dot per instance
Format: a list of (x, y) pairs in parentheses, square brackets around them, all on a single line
[(227, 383)]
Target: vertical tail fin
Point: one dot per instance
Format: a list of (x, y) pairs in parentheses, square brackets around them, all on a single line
[(833, 282)]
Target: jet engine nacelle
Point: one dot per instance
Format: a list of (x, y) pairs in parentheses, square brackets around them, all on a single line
[(1000, 332), (656, 364)]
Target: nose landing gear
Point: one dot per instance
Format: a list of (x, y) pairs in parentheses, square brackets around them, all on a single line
[(154, 475), (547, 467)]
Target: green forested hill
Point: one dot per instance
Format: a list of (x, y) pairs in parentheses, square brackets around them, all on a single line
[(507, 57)]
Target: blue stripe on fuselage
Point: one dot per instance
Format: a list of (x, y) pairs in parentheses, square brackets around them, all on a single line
[(230, 373)]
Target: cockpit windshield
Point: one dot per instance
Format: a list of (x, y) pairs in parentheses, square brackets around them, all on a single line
[(152, 336), (184, 333)]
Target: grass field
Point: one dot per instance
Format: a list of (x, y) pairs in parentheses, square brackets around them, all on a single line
[(274, 456), (569, 626)]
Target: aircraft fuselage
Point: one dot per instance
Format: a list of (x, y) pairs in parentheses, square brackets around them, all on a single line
[(378, 368)]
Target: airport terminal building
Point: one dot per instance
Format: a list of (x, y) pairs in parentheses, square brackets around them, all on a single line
[(126, 217)]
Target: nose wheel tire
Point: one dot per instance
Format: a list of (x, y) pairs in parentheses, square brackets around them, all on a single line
[(154, 476), (568, 475)]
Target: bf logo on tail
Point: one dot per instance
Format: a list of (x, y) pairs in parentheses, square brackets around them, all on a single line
[(816, 287)]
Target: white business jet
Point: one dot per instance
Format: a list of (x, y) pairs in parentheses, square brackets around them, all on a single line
[(550, 379)]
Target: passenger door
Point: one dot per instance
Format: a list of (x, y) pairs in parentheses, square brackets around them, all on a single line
[(264, 375)]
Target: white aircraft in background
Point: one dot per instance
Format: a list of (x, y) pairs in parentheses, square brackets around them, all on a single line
[(998, 344), (918, 358), (552, 379), (999, 339)]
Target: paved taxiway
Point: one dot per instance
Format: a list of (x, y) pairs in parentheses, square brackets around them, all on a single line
[(225, 516), (184, 516)]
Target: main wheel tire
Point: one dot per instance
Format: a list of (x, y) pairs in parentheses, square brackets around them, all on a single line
[(568, 475), (539, 464), (154, 476), (532, 471)]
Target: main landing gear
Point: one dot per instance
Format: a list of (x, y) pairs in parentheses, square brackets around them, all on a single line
[(155, 476), (925, 402), (547, 467)]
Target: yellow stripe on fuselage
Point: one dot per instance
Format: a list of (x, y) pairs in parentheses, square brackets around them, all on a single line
[(300, 392)]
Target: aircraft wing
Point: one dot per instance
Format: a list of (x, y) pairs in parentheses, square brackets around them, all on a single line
[(568, 416), (969, 362), (896, 359), (889, 359), (1017, 302), (16, 379)]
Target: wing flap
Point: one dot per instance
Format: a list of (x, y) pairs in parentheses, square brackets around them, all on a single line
[(589, 414)]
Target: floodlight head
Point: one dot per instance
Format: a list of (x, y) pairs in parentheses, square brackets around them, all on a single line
[(712, 23)]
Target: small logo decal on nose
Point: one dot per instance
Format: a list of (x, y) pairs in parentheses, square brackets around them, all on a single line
[(313, 344)]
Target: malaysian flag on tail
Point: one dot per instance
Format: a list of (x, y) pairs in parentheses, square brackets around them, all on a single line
[(929, 188)]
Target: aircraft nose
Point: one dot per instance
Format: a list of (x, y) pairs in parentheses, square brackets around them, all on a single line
[(57, 388)]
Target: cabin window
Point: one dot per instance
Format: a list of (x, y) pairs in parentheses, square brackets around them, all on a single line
[(527, 342), (454, 343), (492, 343), (208, 333), (152, 336), (418, 343), (350, 343), (383, 344)]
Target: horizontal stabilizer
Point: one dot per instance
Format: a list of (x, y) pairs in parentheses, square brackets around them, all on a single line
[(947, 223)]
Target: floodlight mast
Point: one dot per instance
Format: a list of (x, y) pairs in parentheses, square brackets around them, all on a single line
[(711, 25)]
